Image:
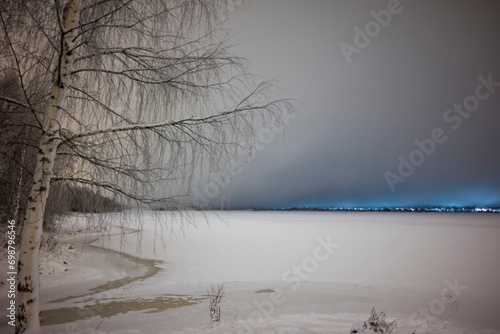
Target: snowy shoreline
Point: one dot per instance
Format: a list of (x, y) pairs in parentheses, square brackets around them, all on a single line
[(317, 273)]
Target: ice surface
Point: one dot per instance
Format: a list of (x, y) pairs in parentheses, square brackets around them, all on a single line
[(284, 272)]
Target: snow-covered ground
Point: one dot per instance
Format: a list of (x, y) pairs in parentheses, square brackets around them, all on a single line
[(283, 272)]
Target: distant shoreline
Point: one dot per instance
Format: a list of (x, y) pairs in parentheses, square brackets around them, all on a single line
[(453, 209)]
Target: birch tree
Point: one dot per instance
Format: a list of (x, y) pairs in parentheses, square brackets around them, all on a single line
[(127, 96)]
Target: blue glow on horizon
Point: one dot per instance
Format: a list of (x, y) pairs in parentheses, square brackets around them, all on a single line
[(479, 199)]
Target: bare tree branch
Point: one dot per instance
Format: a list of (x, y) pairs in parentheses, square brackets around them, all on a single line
[(9, 100), (137, 99), (18, 66)]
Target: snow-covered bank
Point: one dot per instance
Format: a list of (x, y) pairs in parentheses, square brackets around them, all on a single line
[(293, 272)]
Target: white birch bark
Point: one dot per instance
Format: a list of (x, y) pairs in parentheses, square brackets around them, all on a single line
[(137, 65), (28, 298)]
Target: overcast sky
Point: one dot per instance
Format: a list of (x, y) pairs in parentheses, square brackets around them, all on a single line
[(371, 89)]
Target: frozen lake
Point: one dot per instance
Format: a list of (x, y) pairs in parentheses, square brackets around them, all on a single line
[(285, 272)]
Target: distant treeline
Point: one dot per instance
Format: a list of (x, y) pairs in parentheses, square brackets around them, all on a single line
[(66, 198), (491, 209)]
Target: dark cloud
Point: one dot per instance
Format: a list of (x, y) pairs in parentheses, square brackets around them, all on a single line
[(360, 117)]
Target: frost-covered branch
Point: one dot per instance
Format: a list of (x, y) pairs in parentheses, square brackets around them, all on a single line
[(139, 98)]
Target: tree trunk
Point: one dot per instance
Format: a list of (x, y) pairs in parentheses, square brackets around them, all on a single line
[(28, 297)]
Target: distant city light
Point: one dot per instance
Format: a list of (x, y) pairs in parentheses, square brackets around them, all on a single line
[(394, 209)]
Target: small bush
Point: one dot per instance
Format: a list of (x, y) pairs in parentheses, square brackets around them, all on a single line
[(216, 294), (376, 324)]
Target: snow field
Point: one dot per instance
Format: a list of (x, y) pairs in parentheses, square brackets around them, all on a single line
[(287, 272)]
